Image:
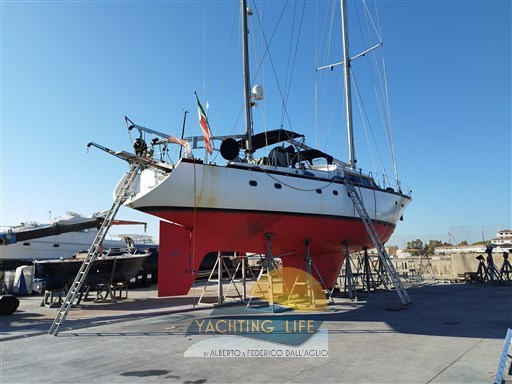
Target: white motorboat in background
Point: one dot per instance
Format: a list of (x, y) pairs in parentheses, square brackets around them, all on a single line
[(60, 238)]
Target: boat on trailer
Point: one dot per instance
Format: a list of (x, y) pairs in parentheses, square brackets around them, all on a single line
[(290, 202)]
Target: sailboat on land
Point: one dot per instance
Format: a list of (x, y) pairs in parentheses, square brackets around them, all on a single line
[(292, 197)]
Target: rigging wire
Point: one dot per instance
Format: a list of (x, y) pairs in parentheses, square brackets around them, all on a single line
[(377, 74), (390, 131), (318, 76), (264, 112), (333, 113), (286, 85), (322, 79), (267, 51), (241, 109), (315, 94), (267, 45), (381, 87), (226, 67), (369, 16), (368, 126), (292, 66), (379, 81), (362, 110), (328, 22)]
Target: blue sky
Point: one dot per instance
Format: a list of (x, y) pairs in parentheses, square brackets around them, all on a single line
[(70, 72)]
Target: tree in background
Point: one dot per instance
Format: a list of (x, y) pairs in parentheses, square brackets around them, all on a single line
[(425, 248), (415, 244), (432, 244)]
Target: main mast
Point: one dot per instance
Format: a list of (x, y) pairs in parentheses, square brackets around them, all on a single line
[(247, 82), (348, 92)]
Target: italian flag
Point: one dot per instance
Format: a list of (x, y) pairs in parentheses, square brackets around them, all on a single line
[(205, 127)]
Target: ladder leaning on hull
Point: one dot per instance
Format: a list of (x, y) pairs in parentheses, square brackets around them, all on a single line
[(95, 249), (377, 242)]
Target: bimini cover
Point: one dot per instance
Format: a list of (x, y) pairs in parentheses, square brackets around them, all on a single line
[(264, 139)]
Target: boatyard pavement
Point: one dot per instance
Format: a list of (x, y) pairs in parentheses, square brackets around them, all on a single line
[(452, 333)]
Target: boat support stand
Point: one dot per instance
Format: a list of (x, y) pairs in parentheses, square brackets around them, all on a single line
[(308, 265), (220, 267), (270, 276)]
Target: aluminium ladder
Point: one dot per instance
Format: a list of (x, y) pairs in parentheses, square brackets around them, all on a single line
[(94, 250), (377, 242)]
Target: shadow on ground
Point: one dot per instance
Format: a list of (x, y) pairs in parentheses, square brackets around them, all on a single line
[(456, 310)]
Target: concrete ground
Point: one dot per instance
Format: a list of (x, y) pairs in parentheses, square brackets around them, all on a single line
[(452, 333)]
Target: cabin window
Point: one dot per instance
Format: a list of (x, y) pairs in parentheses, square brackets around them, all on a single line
[(335, 193), (318, 191), (56, 245), (277, 186), (26, 244), (253, 183)]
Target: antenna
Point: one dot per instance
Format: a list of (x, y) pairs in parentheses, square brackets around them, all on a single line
[(183, 127)]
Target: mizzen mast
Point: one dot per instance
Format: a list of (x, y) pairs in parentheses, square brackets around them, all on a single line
[(247, 81)]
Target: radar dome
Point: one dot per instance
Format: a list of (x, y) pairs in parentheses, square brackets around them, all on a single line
[(257, 92)]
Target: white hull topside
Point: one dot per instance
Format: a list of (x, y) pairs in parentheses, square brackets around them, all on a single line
[(246, 187), (54, 247)]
